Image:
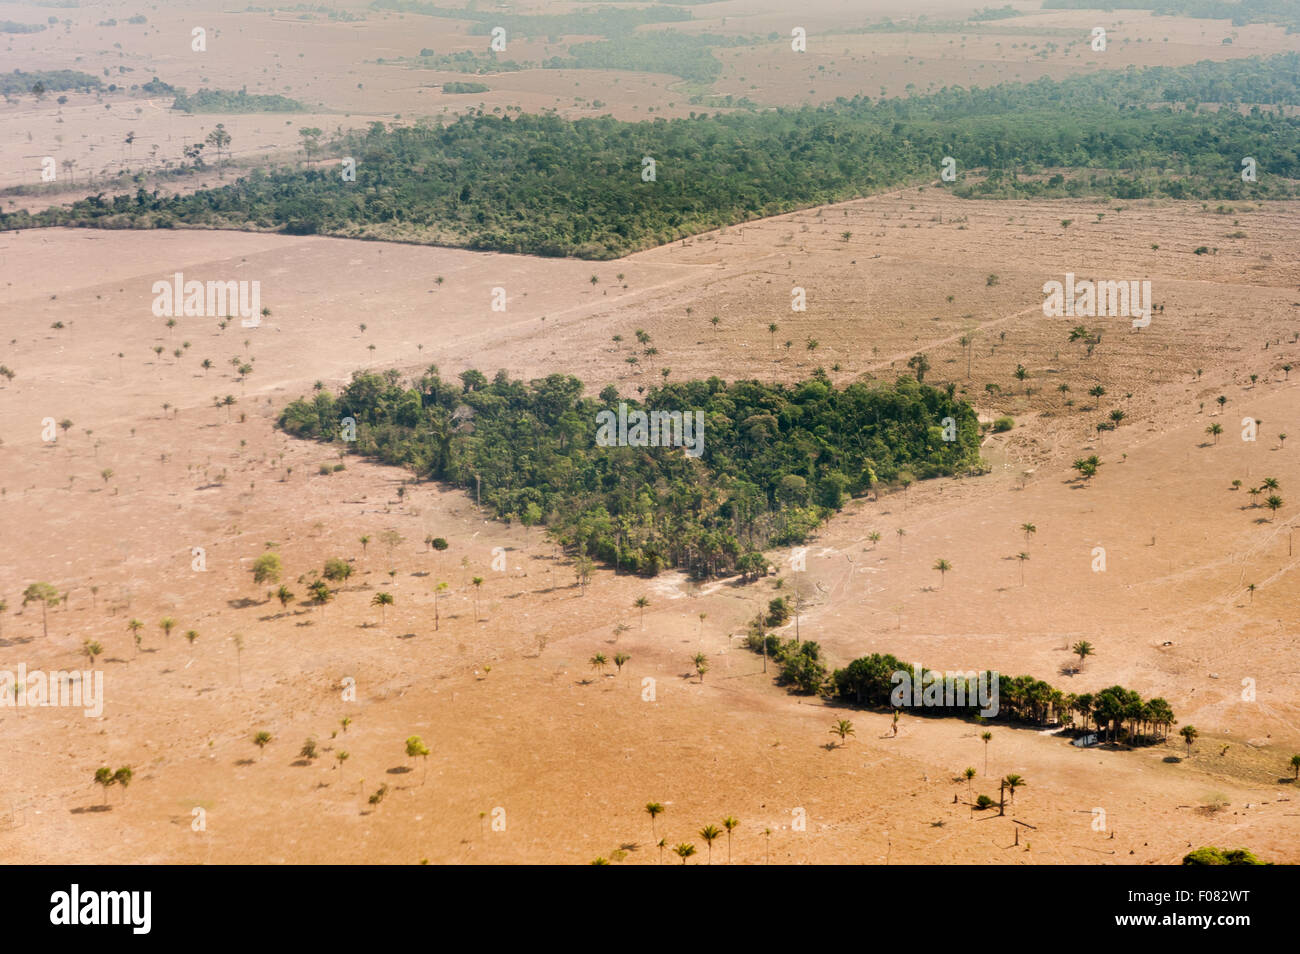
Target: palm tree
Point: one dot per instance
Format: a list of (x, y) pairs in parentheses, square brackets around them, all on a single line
[(382, 600), (1251, 590), (135, 626), (1028, 529), (970, 774), (901, 533), (191, 635), (167, 624), (284, 595), (261, 739), (654, 809), (91, 649), (415, 748), (730, 823), (1083, 649), (1013, 782), (641, 603), (437, 595), (47, 596), (598, 662), (874, 537), (843, 728), (1022, 557), (701, 664), (943, 566), (684, 851), (1273, 503), (1254, 492), (1295, 765), (771, 330), (104, 777), (478, 584), (987, 737), (661, 844), (1189, 734), (620, 660), (1270, 483), (709, 833)]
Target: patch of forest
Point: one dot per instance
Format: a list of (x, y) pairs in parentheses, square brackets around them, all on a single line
[(545, 185), (775, 460)]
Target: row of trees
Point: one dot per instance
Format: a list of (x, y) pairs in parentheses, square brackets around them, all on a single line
[(1116, 713), (550, 186)]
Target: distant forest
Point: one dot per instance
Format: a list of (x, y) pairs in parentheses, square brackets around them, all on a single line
[(777, 460), (1240, 12), (545, 185)]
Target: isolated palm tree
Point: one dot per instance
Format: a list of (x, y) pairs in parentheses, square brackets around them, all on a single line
[(684, 851), (970, 774), (478, 584), (1270, 483), (104, 777), (987, 737), (1022, 557), (730, 823), (382, 600), (1251, 590), (654, 809), (1028, 528), (1013, 782), (641, 603), (598, 662), (1273, 503), (874, 537), (943, 566), (47, 596), (1083, 649), (284, 595), (1295, 765), (620, 660), (843, 728), (261, 739), (701, 664), (1189, 734), (167, 624), (415, 748), (709, 833), (437, 596)]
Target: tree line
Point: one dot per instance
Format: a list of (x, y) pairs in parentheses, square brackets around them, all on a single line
[(544, 185)]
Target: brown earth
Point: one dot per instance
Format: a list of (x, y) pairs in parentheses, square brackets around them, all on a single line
[(571, 755)]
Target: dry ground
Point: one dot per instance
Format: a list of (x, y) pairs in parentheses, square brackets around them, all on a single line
[(569, 755)]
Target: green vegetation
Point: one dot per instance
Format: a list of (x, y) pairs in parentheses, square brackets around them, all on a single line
[(465, 61), (1210, 855), (599, 21), (686, 55), (21, 83), (996, 13), (227, 101), (1240, 12), (1116, 713), (548, 186), (454, 87), (777, 460)]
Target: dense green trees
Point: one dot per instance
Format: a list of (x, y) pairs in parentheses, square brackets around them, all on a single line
[(549, 186), (1117, 713), (529, 451)]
